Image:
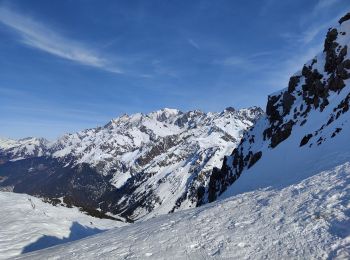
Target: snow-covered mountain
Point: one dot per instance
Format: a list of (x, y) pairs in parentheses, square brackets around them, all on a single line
[(306, 220), (134, 165), (306, 128), (29, 224), (23, 148)]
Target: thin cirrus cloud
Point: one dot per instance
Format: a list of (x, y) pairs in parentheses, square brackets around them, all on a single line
[(36, 35), (193, 44)]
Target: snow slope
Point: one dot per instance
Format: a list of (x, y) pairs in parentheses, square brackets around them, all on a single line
[(306, 220), (28, 224)]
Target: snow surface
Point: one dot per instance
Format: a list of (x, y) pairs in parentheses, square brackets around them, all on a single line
[(27, 223), (306, 220)]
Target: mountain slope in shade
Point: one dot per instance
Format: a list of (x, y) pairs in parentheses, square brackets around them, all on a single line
[(306, 127), (29, 224), (306, 220), (135, 165)]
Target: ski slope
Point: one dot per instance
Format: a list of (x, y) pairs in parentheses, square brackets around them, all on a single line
[(28, 224), (306, 220)]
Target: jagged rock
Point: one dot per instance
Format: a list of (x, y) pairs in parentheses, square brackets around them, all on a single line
[(305, 140), (293, 82), (344, 18), (337, 130), (254, 158), (287, 102), (230, 109), (271, 108), (335, 83), (281, 134), (330, 49)]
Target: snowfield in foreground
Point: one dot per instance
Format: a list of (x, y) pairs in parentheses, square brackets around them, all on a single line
[(29, 224), (306, 220)]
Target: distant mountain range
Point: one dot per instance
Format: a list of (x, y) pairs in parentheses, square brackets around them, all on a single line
[(138, 165)]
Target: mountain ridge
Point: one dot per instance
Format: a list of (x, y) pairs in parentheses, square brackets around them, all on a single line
[(311, 113), (140, 162)]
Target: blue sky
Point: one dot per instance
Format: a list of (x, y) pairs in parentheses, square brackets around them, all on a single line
[(69, 65)]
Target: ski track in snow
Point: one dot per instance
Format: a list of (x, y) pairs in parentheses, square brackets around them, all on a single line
[(306, 220)]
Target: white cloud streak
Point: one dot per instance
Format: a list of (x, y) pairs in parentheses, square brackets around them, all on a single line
[(322, 5), (39, 36), (193, 44), (308, 35)]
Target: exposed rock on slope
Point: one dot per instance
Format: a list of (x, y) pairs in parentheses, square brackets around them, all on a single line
[(303, 123)]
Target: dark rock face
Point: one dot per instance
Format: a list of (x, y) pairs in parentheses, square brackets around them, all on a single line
[(281, 134), (344, 18), (222, 178), (256, 157), (293, 82), (305, 139), (271, 108)]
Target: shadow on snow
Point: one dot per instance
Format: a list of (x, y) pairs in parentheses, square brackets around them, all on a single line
[(77, 231)]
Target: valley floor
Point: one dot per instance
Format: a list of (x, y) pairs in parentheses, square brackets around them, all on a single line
[(306, 220)]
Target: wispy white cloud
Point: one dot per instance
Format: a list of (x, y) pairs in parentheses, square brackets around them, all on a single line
[(310, 33), (322, 5), (37, 35), (249, 62), (193, 44)]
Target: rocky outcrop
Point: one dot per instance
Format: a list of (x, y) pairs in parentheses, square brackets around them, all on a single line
[(308, 91), (344, 18)]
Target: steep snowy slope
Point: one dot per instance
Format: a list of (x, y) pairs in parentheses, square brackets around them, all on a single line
[(21, 149), (135, 165), (29, 224), (306, 127), (307, 220)]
